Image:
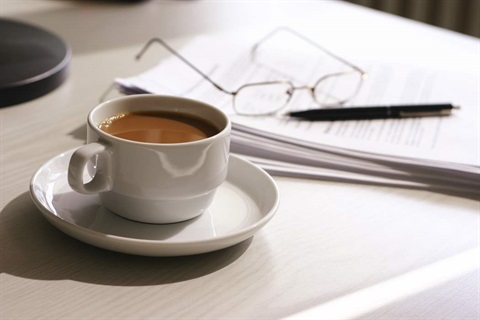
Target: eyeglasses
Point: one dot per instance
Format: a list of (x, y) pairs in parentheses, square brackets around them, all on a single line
[(269, 97)]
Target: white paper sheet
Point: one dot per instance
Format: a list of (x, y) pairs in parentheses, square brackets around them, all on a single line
[(451, 143)]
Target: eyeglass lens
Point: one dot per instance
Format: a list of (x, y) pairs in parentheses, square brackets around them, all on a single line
[(259, 99), (335, 89), (331, 90)]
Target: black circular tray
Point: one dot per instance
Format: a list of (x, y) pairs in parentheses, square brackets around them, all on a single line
[(33, 62)]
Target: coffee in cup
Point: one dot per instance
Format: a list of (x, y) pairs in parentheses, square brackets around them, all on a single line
[(153, 158), (158, 127)]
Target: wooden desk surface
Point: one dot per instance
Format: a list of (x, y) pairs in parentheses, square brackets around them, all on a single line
[(333, 251)]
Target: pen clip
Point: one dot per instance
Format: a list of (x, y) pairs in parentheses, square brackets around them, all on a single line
[(444, 112)]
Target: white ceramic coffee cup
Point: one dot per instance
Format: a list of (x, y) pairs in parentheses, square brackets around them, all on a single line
[(152, 182)]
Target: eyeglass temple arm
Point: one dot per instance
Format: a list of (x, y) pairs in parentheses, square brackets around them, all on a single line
[(171, 50), (311, 42)]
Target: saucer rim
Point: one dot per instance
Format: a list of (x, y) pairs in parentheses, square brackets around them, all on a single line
[(84, 234)]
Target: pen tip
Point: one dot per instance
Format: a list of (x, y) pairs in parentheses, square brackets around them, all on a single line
[(456, 107)]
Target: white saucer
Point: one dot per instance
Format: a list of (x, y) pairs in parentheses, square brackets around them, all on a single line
[(244, 203)]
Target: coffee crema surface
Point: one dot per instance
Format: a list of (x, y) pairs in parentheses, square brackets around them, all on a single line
[(158, 127)]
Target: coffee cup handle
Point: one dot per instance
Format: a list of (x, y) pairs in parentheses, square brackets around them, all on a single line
[(101, 181)]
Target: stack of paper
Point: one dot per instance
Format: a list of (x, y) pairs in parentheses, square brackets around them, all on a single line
[(434, 153)]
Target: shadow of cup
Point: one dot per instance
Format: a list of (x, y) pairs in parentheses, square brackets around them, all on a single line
[(36, 250)]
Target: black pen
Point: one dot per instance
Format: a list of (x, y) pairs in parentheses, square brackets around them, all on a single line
[(374, 112)]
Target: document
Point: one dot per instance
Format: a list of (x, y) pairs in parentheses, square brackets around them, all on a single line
[(426, 151)]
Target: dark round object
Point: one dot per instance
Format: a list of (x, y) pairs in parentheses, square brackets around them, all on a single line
[(33, 62)]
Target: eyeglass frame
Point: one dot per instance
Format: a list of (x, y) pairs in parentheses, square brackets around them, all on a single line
[(362, 74)]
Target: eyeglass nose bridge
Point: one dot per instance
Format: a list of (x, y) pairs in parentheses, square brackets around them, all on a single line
[(304, 87)]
